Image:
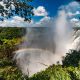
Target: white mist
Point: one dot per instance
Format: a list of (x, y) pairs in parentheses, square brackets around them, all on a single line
[(45, 45)]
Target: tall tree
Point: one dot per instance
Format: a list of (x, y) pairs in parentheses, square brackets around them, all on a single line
[(22, 8)]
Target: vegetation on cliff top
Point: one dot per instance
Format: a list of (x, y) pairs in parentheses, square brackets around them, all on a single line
[(70, 70)]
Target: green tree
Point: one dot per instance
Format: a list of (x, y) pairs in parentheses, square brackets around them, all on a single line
[(72, 58), (8, 46), (10, 33), (22, 8), (10, 38)]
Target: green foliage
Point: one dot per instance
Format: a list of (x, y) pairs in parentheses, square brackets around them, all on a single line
[(54, 72), (72, 58), (70, 71), (57, 72), (9, 71), (6, 62), (10, 38), (16, 7), (74, 72), (10, 33), (8, 47)]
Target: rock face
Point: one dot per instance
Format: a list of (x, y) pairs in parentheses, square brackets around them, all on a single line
[(76, 40)]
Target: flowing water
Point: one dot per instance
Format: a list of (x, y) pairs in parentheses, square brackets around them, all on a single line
[(45, 46)]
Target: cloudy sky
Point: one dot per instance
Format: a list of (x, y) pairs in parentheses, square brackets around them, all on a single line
[(45, 11)]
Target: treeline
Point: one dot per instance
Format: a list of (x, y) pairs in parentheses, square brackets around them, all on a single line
[(11, 32), (10, 38)]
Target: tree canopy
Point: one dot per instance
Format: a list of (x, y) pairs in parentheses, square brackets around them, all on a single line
[(10, 33), (72, 58), (22, 8)]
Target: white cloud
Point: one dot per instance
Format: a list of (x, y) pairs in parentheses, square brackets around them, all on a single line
[(72, 9), (17, 18), (1, 3), (17, 21), (74, 20), (43, 21), (70, 14), (40, 11), (77, 12), (73, 6)]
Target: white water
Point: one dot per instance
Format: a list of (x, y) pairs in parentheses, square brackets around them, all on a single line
[(63, 34), (76, 40), (33, 60), (45, 46)]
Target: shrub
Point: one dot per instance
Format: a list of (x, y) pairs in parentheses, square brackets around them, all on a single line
[(72, 58), (8, 47)]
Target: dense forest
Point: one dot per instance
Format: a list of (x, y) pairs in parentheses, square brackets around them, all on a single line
[(10, 38)]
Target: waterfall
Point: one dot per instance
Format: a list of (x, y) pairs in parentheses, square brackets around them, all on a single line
[(46, 45)]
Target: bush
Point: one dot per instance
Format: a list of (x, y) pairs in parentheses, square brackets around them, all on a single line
[(9, 71), (57, 72), (54, 72), (72, 58), (8, 46)]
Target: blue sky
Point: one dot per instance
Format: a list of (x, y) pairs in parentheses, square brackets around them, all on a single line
[(50, 5), (45, 10), (52, 8)]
